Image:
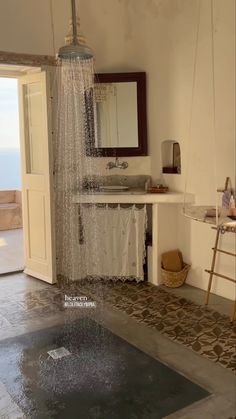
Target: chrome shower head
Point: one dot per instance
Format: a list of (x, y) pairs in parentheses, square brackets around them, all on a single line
[(75, 50)]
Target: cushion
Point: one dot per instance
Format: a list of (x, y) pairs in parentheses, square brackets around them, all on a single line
[(172, 261)]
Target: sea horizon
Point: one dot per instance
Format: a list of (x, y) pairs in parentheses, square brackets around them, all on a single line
[(10, 168)]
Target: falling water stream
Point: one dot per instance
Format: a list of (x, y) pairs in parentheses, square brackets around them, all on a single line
[(75, 127), (75, 133)]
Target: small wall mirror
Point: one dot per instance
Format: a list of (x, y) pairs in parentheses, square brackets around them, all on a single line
[(120, 115)]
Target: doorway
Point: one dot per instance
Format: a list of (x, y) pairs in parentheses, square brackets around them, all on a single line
[(26, 210), (11, 225)]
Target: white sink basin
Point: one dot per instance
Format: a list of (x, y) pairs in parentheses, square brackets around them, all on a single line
[(113, 188)]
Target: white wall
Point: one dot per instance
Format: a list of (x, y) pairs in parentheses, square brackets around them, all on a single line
[(156, 36), (196, 239), (25, 25)]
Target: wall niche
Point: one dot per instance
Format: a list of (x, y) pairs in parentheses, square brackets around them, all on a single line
[(171, 157)]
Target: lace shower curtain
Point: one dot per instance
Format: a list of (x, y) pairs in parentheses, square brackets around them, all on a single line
[(117, 250)]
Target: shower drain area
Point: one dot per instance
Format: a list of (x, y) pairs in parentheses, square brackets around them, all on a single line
[(58, 353), (82, 370)]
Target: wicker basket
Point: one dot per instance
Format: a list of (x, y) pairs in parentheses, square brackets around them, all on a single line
[(175, 279)]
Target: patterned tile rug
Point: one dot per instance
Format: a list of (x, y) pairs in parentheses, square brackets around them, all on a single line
[(201, 329)]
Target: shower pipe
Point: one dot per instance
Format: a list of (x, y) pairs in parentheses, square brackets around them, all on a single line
[(74, 22)]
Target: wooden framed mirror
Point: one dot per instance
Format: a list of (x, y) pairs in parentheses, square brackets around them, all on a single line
[(120, 116)]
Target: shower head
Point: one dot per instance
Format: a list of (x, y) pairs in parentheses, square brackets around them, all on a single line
[(76, 49)]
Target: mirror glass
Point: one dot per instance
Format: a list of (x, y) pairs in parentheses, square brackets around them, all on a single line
[(118, 126), (116, 114)]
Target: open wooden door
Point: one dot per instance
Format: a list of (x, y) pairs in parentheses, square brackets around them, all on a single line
[(37, 167)]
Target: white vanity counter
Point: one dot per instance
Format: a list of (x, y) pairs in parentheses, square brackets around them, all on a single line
[(165, 219), (132, 197)]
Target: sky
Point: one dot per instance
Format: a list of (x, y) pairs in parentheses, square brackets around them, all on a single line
[(9, 115)]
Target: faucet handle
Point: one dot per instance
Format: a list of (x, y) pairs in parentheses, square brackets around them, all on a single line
[(117, 164)]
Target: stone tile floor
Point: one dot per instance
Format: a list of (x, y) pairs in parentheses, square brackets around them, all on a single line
[(27, 305)]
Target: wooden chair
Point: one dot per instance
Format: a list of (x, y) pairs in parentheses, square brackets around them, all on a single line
[(220, 230)]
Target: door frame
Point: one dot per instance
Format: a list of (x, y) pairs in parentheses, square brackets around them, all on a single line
[(36, 63)]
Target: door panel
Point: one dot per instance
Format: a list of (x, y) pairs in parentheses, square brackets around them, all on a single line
[(34, 127), (36, 219), (37, 177)]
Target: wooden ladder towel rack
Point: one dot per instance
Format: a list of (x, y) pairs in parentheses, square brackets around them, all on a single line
[(220, 230)]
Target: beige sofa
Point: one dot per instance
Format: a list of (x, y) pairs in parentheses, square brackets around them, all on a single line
[(10, 209)]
